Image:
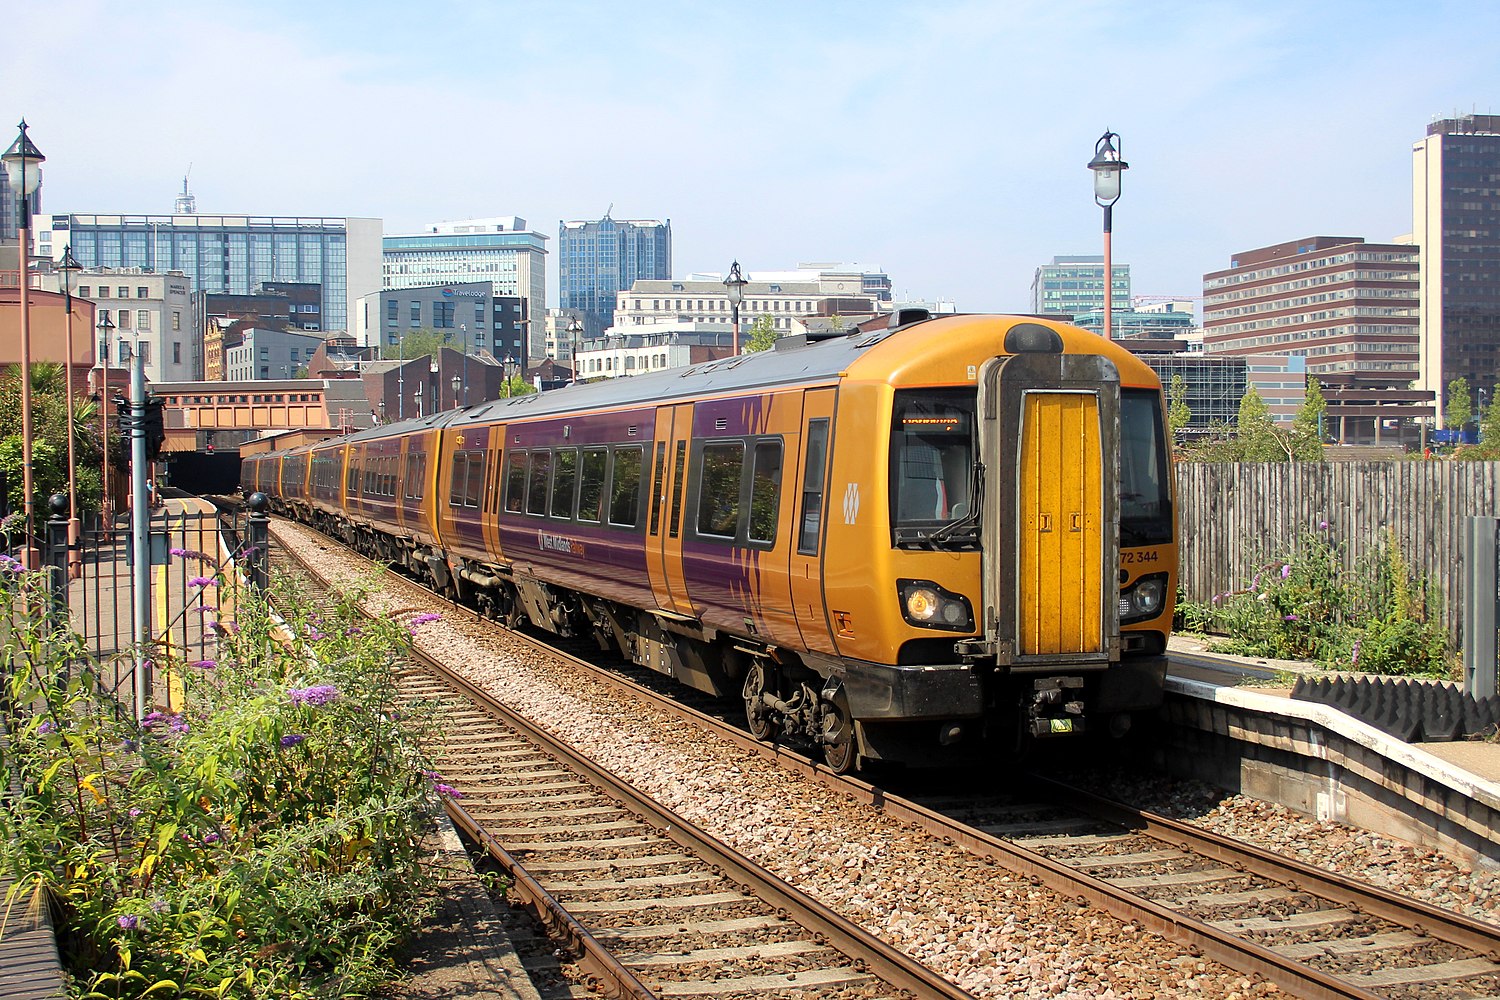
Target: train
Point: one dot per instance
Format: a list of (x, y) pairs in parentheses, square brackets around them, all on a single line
[(944, 540)]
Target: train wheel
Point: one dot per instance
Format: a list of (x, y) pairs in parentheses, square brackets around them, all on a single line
[(838, 736), (757, 715)]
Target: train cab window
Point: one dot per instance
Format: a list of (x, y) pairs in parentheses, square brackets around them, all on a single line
[(538, 478), (625, 488), (719, 489), (564, 484), (591, 485), (1145, 504), (515, 482), (813, 473), (932, 461), (765, 491)]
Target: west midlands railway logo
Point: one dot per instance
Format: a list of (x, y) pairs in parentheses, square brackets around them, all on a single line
[(851, 503)]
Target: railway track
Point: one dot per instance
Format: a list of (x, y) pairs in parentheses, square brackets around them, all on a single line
[(1311, 932)]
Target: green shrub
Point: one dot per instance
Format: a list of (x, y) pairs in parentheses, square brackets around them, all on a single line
[(261, 838)]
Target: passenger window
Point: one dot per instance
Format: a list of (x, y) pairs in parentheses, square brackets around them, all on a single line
[(679, 488), (625, 492), (537, 478), (813, 473), (515, 482), (719, 489), (591, 486), (657, 486), (474, 487), (765, 491), (563, 482)]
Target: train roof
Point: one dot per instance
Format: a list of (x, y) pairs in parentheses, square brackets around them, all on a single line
[(794, 360)]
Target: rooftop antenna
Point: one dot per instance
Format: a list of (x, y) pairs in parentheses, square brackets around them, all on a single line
[(186, 203)]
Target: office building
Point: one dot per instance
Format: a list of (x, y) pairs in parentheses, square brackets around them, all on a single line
[(501, 251), (1456, 222), (783, 296), (151, 313), (1072, 285), (475, 316), (596, 260), (269, 354), (229, 253), (624, 351)]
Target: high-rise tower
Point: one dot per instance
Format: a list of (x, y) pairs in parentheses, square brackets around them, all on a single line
[(595, 260), (1456, 221)]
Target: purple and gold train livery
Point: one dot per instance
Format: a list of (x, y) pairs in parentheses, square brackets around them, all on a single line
[(928, 543)]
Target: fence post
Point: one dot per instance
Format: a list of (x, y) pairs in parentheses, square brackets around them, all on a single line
[(1481, 602), (57, 556), (257, 537)]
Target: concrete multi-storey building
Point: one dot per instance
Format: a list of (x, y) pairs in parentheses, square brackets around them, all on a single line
[(477, 316), (1348, 306), (596, 260), (151, 313), (229, 253), (498, 250), (637, 350), (269, 354), (1075, 284), (703, 298), (1456, 222)]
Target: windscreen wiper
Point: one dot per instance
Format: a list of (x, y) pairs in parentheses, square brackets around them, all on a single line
[(970, 520)]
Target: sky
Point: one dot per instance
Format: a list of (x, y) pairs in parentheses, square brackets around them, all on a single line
[(945, 143)]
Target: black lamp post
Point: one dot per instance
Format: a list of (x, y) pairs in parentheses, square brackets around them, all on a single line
[(24, 182), (1108, 169), (574, 329), (735, 285), (67, 266), (465, 328), (106, 331), (505, 369), (417, 394), (381, 404), (437, 387), (457, 384)]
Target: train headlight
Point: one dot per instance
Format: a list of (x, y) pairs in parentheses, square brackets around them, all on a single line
[(926, 605), (1144, 599)]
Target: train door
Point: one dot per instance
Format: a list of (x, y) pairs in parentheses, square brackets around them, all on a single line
[(806, 551), (1048, 435), (664, 519)]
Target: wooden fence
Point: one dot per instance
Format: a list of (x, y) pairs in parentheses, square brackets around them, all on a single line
[(1235, 518)]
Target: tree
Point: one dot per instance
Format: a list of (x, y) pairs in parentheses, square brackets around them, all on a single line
[(49, 445), (762, 336), (1307, 425), (1178, 414), (419, 344), (1259, 439), (1460, 409)]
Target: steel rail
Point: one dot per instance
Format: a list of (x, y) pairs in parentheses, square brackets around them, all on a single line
[(880, 959)]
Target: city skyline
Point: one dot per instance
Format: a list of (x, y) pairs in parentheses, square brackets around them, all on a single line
[(945, 146)]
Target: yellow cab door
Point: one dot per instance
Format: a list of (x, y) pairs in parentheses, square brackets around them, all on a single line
[(669, 451), (1049, 440)]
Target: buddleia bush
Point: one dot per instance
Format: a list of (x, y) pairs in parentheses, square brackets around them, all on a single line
[(260, 836)]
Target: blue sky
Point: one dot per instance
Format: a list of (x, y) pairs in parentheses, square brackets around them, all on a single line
[(943, 142)]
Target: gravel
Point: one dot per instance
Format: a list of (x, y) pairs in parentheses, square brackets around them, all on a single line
[(989, 931)]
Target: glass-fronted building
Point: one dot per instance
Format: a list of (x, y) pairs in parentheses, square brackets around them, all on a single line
[(595, 260), (500, 250), (1074, 285), (229, 253)]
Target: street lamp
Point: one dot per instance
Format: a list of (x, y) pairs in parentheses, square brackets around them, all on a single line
[(1108, 169), (106, 329), (457, 384), (735, 285), (505, 367), (574, 329), (418, 394), (381, 404), (437, 389), (465, 328), (24, 182), (67, 266)]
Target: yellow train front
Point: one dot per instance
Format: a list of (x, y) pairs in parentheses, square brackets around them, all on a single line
[(1000, 558)]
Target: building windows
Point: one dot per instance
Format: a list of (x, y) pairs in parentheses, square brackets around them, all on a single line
[(124, 319), (176, 320), (442, 315), (176, 352), (391, 307), (142, 292), (122, 292), (416, 312), (83, 291), (143, 320)]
